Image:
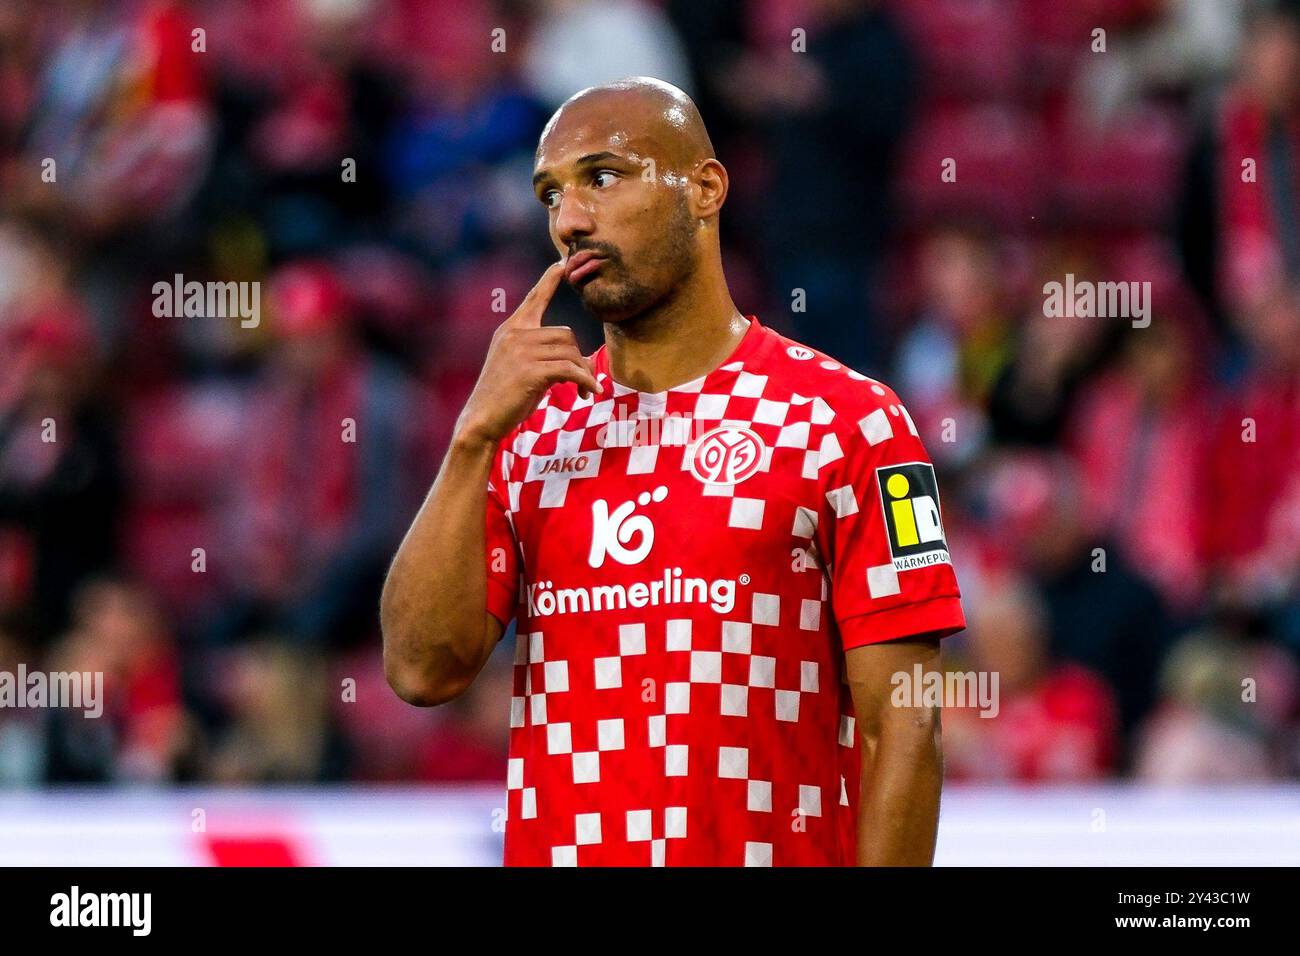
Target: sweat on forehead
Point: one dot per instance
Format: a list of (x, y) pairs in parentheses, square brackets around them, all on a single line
[(637, 114)]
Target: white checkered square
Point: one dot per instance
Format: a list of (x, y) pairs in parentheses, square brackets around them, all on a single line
[(794, 435), (706, 667), (564, 856), (638, 825), (808, 680), (882, 580), (749, 385), (769, 412), (631, 639), (735, 700), (737, 637), (875, 427), (810, 800), (758, 854), (586, 827), (843, 501), (559, 739), (679, 634), (609, 734), (710, 405), (787, 705), (766, 609), (846, 730), (675, 760), (677, 698), (810, 614), (586, 767), (609, 672), (555, 675), (805, 522), (746, 513), (830, 450), (760, 796), (641, 459), (733, 763), (675, 823)]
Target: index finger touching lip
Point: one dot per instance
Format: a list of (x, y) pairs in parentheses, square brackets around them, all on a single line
[(530, 311)]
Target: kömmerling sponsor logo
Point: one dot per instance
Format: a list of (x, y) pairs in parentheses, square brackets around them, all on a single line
[(1085, 299), (74, 908), (213, 300), (951, 689), (83, 690)]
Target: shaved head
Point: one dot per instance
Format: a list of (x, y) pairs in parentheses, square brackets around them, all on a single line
[(646, 109), (628, 175)]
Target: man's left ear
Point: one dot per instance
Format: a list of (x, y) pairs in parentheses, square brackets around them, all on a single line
[(709, 192)]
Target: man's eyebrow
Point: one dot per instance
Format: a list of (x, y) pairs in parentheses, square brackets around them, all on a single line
[(590, 159)]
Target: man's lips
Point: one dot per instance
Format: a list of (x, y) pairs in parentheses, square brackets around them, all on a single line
[(582, 264)]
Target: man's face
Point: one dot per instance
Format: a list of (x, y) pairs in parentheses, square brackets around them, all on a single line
[(617, 209)]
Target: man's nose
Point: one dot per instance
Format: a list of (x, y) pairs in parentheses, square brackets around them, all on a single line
[(574, 221)]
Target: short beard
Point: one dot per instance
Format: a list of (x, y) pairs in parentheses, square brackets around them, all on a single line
[(617, 299)]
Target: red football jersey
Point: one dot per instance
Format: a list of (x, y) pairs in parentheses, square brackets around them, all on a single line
[(687, 569)]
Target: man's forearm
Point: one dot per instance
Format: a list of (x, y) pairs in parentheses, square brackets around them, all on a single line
[(902, 775), (434, 603)]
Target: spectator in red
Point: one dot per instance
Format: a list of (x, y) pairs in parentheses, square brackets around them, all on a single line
[(1050, 721), (123, 113), (313, 514), (1101, 613), (1140, 439), (1254, 524), (1240, 228), (60, 480), (145, 734)]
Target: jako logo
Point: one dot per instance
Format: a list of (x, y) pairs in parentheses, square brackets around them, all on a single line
[(726, 456), (612, 531), (564, 466)]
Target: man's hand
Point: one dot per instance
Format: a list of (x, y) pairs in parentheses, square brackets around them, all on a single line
[(523, 361)]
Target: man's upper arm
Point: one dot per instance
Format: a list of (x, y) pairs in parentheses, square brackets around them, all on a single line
[(871, 668)]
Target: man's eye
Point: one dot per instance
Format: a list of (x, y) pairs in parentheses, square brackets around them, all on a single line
[(597, 179), (550, 197)]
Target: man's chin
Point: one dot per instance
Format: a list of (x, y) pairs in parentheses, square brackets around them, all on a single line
[(605, 304)]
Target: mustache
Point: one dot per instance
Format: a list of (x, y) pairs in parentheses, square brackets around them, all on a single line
[(600, 248)]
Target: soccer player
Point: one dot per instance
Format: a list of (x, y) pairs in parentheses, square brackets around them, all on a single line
[(723, 550)]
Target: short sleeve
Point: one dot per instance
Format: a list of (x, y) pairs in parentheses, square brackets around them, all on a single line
[(501, 549), (886, 551)]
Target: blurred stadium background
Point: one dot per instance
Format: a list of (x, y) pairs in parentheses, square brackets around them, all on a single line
[(1123, 691)]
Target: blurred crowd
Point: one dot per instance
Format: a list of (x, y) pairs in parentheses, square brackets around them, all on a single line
[(203, 509)]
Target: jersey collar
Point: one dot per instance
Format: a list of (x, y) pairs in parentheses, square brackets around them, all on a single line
[(746, 347)]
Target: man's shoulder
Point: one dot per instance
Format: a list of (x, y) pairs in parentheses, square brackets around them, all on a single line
[(798, 372)]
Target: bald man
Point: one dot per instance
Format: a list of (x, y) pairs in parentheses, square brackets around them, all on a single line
[(723, 550)]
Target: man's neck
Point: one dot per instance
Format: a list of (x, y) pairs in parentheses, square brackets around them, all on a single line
[(677, 343)]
